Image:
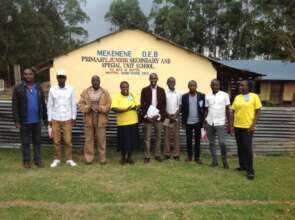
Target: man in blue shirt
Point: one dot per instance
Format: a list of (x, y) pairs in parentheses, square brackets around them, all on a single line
[(28, 105)]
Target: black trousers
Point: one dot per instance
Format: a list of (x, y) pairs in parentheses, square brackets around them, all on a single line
[(196, 130), (245, 152), (127, 136), (28, 132)]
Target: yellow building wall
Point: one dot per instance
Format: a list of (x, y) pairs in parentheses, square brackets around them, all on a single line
[(265, 90), (172, 61), (289, 91)]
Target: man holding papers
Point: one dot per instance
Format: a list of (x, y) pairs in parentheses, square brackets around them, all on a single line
[(153, 111)]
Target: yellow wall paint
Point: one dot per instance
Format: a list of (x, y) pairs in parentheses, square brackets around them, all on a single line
[(265, 91), (289, 91), (184, 66)]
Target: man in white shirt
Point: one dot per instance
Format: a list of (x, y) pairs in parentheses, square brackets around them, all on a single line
[(62, 112), (171, 123), (217, 110)]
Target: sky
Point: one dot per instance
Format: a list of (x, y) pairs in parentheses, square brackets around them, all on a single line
[(96, 10)]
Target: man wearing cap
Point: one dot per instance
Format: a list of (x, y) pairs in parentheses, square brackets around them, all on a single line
[(62, 112)]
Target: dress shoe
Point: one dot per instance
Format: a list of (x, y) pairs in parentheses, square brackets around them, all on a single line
[(130, 161), (103, 163), (225, 165), (176, 158), (188, 159), (240, 169), (159, 159), (198, 161), (27, 165), (167, 157), (123, 162), (39, 164), (250, 176), (214, 164)]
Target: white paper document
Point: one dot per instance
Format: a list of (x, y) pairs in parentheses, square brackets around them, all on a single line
[(152, 112)]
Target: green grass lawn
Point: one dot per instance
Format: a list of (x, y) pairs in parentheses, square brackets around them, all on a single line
[(168, 190)]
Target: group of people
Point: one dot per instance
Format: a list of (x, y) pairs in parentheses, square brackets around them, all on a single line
[(164, 110)]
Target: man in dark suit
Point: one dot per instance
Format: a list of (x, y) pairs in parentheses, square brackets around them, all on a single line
[(29, 109), (153, 96), (193, 106)]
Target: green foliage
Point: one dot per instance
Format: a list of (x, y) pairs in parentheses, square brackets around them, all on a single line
[(33, 31), (171, 21), (229, 28), (126, 14), (276, 31)]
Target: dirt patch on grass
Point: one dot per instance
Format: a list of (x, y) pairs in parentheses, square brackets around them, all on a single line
[(145, 206)]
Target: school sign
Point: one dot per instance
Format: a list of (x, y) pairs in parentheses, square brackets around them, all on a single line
[(131, 55)]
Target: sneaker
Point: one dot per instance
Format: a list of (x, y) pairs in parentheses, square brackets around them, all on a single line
[(55, 163), (71, 163), (146, 160)]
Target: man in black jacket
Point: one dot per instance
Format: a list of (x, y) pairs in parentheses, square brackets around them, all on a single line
[(29, 108), (192, 109)]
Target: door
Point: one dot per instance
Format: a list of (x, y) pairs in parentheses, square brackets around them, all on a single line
[(276, 93)]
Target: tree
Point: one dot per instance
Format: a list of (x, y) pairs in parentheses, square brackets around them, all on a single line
[(125, 14), (34, 31), (229, 29), (236, 29), (171, 20), (276, 31)]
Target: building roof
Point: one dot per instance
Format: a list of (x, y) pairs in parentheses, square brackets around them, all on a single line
[(271, 69), (216, 63)]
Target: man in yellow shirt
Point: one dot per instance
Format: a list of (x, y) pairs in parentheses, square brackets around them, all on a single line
[(126, 105), (245, 113)]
